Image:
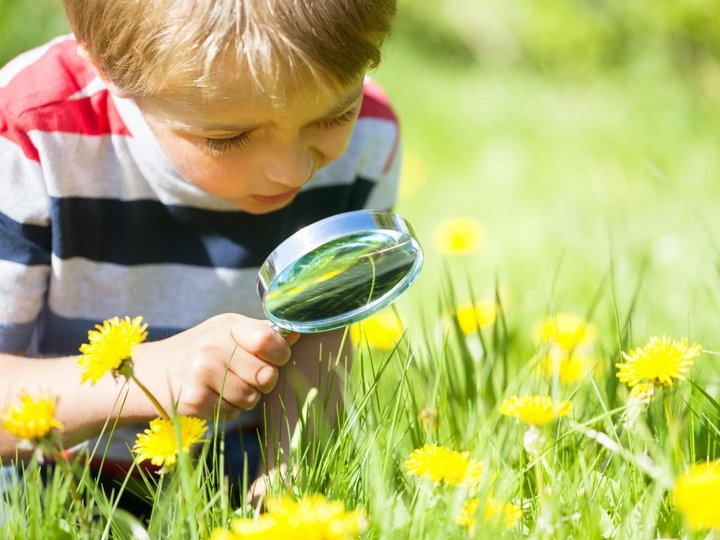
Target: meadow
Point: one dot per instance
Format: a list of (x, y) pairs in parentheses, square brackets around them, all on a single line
[(554, 371)]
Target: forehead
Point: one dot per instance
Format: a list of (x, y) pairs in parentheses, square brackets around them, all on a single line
[(239, 99)]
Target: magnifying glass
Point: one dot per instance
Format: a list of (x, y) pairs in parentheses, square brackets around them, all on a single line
[(338, 271)]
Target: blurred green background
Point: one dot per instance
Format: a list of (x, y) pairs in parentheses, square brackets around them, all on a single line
[(582, 134)]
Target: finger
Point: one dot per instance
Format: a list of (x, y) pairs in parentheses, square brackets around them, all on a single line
[(258, 338), (256, 372), (292, 338), (228, 411), (236, 391)]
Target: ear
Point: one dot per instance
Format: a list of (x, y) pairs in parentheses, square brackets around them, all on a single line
[(85, 54)]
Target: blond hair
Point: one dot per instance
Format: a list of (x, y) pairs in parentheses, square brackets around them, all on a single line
[(177, 48)]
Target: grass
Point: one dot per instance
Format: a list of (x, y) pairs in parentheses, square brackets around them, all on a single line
[(597, 193)]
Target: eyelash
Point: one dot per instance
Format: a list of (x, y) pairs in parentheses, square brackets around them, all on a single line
[(223, 145), (238, 141), (340, 120)]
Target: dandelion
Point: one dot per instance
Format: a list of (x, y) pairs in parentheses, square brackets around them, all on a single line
[(442, 465), (159, 443), (459, 236), (382, 331), (264, 527), (110, 348), (696, 494), (566, 330), (535, 410), (496, 511), (659, 362), (311, 518), (32, 419), (471, 316), (570, 366)]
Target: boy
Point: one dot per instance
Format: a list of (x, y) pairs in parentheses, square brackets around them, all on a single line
[(149, 164)]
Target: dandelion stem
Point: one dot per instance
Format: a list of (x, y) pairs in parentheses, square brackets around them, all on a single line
[(539, 484), (62, 461), (671, 426), (151, 397)]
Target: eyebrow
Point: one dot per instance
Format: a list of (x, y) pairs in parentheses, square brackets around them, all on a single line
[(336, 110)]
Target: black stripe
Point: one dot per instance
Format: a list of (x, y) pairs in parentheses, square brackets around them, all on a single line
[(147, 231), (22, 243), (59, 336)]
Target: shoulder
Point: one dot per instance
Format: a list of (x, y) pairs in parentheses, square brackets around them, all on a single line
[(43, 76), (53, 89), (376, 104)]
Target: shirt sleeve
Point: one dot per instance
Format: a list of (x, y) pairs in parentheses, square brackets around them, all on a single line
[(383, 155), (25, 236)]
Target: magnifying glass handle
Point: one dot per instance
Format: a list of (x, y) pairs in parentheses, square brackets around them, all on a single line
[(282, 331)]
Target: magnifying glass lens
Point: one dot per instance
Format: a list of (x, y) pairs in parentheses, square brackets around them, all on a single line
[(340, 280)]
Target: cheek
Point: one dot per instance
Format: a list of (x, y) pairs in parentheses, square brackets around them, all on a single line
[(331, 143), (215, 175)]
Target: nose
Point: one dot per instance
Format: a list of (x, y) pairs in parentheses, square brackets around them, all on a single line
[(290, 164)]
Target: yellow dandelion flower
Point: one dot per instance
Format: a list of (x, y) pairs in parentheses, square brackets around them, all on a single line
[(31, 419), (159, 443), (264, 527), (697, 493), (315, 518), (535, 410), (110, 348), (660, 361), (470, 316), (496, 511), (566, 330), (459, 236), (570, 366), (382, 331), (442, 465)]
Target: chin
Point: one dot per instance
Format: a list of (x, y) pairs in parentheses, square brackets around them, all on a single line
[(258, 209)]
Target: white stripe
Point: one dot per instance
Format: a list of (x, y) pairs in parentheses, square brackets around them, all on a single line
[(22, 290), (23, 196), (384, 194), (166, 295), (16, 65), (378, 138), (93, 87)]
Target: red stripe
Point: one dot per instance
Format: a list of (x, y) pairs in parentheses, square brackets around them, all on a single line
[(375, 103), (55, 76), (119, 469), (37, 99), (93, 115), (19, 137)]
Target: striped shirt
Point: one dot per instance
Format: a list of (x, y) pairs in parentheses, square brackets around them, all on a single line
[(96, 222)]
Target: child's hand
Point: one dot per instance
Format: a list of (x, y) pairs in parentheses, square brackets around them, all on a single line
[(229, 354)]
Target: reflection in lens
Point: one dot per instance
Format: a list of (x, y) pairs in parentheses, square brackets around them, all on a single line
[(341, 276)]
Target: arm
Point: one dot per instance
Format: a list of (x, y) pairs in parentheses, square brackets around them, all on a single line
[(305, 370), (188, 370)]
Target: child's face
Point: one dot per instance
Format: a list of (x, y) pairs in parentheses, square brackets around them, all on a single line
[(253, 153)]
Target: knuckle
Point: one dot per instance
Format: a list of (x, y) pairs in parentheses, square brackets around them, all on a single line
[(252, 397), (267, 376), (261, 339)]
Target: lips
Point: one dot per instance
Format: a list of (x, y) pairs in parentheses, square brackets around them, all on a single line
[(275, 199)]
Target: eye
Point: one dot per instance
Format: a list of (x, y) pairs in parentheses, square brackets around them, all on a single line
[(227, 143), (344, 118)]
